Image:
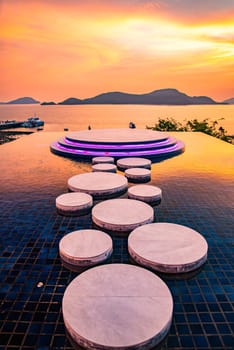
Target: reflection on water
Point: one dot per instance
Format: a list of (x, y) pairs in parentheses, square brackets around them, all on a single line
[(196, 191), (204, 156), (27, 164)]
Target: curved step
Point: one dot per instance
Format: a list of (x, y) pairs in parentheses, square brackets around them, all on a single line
[(151, 153), (170, 141), (117, 143)]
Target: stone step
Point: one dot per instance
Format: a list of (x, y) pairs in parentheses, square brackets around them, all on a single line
[(168, 247), (117, 306)]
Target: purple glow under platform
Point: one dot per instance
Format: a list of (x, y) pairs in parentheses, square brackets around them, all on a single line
[(117, 143)]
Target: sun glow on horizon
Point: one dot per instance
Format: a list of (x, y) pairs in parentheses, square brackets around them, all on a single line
[(84, 52)]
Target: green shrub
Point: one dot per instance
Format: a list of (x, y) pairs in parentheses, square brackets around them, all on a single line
[(206, 126)]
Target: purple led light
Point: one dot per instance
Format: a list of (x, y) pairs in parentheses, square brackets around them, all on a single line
[(179, 145), (118, 146)]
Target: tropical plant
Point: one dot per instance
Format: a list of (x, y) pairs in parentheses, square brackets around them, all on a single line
[(206, 126)]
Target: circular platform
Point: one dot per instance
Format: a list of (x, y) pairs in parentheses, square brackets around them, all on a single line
[(72, 204), (85, 248), (97, 160), (102, 167), (146, 193), (122, 215), (99, 184), (117, 143), (117, 136), (167, 247), (138, 174), (117, 306), (134, 162)]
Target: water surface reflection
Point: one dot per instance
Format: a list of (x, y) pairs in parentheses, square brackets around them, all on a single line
[(197, 191)]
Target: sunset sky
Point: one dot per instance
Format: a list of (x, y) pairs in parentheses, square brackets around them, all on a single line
[(54, 49)]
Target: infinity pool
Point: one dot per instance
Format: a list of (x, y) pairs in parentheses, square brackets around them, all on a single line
[(198, 192)]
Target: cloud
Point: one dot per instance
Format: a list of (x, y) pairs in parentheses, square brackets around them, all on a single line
[(122, 43), (179, 8), (222, 38), (183, 7)]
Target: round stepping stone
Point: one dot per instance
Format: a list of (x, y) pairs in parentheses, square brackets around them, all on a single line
[(85, 248), (133, 162), (97, 160), (99, 184), (146, 193), (72, 204), (167, 247), (138, 174), (122, 215), (117, 306), (111, 168)]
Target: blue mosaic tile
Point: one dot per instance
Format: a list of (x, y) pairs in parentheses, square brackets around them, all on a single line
[(193, 195)]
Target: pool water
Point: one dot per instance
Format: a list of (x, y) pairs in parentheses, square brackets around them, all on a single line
[(197, 191)]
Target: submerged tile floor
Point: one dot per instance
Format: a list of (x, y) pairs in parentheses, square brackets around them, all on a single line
[(197, 191)]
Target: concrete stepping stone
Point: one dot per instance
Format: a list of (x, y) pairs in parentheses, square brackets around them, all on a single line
[(97, 160), (133, 162), (122, 215), (111, 168), (138, 174), (72, 204), (100, 185), (146, 193), (117, 306), (167, 247), (85, 248)]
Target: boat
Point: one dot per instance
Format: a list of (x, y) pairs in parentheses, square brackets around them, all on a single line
[(33, 122), (132, 125)]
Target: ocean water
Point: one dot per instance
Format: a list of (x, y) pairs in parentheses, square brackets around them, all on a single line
[(116, 116)]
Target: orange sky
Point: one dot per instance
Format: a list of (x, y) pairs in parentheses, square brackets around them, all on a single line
[(52, 50)]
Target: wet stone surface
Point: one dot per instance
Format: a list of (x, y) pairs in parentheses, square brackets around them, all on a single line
[(75, 203), (146, 193), (103, 160), (104, 167), (98, 184), (138, 174), (120, 306), (121, 214), (85, 248), (168, 248), (133, 162)]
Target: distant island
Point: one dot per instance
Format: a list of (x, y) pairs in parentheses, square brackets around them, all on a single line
[(229, 101), (51, 103), (21, 100), (156, 97)]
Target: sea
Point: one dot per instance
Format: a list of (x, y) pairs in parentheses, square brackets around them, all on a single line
[(79, 117)]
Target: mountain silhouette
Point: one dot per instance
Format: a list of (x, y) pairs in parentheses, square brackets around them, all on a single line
[(229, 101), (71, 101), (51, 103), (23, 100), (157, 97)]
